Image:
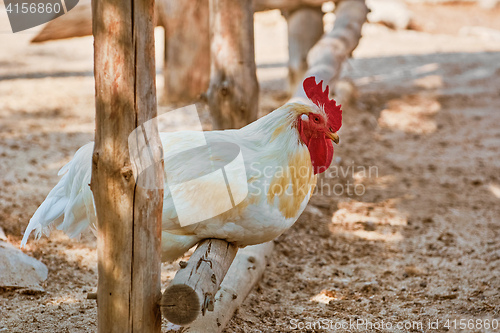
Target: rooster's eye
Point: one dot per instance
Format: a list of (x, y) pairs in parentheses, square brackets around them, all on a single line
[(316, 119)]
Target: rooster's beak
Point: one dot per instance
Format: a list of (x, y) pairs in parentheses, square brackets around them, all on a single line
[(334, 137)]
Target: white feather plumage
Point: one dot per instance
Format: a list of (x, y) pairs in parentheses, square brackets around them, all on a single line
[(271, 142)]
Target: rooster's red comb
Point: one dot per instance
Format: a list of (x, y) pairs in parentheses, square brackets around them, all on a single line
[(319, 97)]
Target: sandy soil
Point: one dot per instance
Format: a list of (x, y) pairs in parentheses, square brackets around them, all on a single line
[(405, 225)]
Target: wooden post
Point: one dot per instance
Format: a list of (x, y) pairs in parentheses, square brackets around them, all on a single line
[(129, 228), (233, 92), (305, 28), (193, 289), (187, 48), (326, 57)]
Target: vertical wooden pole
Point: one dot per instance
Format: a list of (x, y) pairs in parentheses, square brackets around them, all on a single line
[(129, 227), (305, 28), (234, 91), (187, 49)]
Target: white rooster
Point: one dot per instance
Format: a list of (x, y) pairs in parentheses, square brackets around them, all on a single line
[(283, 153)]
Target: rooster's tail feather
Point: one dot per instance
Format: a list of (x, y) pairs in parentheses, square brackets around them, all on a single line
[(71, 196)]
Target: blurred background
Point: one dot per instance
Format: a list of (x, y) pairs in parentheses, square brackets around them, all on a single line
[(421, 101)]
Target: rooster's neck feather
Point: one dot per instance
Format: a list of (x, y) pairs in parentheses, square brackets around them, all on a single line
[(278, 128)]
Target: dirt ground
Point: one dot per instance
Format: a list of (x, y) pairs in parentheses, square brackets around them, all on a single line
[(404, 229)]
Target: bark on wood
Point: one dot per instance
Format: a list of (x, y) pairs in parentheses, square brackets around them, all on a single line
[(187, 48), (305, 28), (233, 93), (326, 57), (246, 270), (193, 288), (129, 228)]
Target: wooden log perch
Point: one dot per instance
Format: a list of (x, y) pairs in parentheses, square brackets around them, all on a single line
[(193, 289), (326, 57), (233, 93), (129, 214), (245, 271)]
